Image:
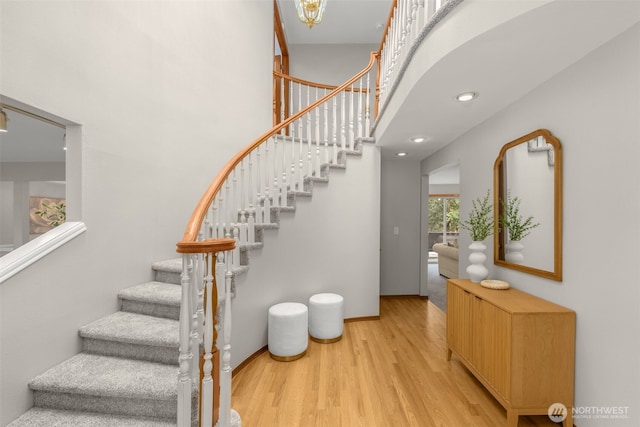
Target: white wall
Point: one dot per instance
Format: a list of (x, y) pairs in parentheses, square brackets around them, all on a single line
[(400, 253), (166, 93), (588, 108), (331, 244), (330, 63)]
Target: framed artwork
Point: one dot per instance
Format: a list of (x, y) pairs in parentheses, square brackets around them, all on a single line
[(45, 213)]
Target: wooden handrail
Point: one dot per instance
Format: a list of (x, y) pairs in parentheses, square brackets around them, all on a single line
[(386, 28), (188, 244), (313, 84)]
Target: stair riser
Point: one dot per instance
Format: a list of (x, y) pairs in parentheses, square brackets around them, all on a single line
[(149, 353), (165, 409), (151, 309), (167, 277)]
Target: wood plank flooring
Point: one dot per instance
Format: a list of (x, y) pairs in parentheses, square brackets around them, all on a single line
[(390, 372)]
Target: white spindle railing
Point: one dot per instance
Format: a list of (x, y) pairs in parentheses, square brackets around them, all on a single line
[(409, 21), (240, 201)]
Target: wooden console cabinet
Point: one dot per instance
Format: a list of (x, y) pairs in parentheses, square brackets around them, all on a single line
[(520, 347)]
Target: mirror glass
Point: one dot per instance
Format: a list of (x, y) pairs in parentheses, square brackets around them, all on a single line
[(528, 201)]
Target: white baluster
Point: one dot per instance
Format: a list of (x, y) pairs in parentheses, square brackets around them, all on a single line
[(299, 171), (309, 142), (259, 200), (193, 301), (352, 134), (334, 131), (316, 160), (367, 109), (360, 108), (225, 374), (267, 193), (326, 129), (276, 187), (186, 354), (343, 119), (251, 224), (236, 250), (199, 273), (206, 406), (283, 103)]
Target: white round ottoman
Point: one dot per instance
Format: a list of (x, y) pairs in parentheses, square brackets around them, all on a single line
[(326, 317), (288, 336)]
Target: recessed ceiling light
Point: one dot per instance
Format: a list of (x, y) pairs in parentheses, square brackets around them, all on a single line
[(401, 154), (418, 139), (466, 96)]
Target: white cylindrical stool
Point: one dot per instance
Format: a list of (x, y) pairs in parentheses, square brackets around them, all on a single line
[(326, 317), (288, 336)]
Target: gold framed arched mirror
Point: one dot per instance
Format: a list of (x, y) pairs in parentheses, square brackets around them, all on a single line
[(527, 180)]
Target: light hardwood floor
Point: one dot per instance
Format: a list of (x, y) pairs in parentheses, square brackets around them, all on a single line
[(390, 372)]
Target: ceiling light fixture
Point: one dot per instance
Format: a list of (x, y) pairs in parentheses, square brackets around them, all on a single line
[(3, 121), (401, 154), (310, 12), (418, 139), (466, 96)]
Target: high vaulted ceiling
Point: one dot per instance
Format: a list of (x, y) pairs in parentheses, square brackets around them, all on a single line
[(344, 22)]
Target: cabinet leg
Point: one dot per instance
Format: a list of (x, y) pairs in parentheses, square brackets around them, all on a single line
[(449, 354), (512, 418), (568, 421)]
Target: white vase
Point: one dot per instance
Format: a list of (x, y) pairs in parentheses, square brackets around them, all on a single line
[(514, 252), (477, 271)]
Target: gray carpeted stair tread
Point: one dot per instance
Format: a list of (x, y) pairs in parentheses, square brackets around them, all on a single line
[(171, 265), (156, 292), (104, 376), (42, 417), (134, 328), (158, 299)]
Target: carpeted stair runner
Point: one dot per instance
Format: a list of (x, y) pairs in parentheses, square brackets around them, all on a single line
[(127, 372)]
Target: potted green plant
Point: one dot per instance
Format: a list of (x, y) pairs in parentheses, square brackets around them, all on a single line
[(480, 222), (480, 226), (517, 227)]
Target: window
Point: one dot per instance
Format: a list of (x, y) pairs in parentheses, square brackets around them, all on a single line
[(444, 218)]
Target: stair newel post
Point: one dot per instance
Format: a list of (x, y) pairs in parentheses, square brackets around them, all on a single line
[(185, 359), (326, 128), (210, 335), (225, 374), (334, 131)]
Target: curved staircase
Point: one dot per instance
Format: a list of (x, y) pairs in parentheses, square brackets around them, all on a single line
[(126, 373)]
